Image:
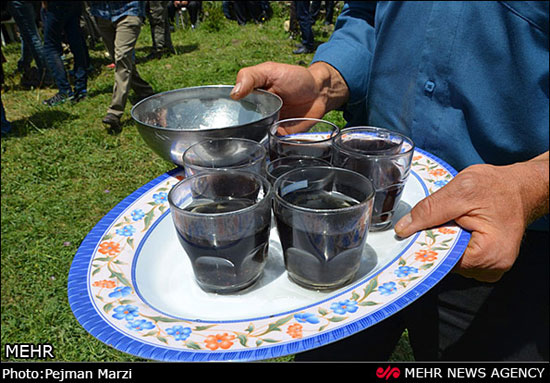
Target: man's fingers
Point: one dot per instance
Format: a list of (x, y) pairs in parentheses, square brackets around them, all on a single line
[(249, 79), (482, 261), (448, 203)]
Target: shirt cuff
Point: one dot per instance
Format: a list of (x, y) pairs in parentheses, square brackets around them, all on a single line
[(353, 66)]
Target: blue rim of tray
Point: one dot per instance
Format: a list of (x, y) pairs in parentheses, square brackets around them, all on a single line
[(88, 317)]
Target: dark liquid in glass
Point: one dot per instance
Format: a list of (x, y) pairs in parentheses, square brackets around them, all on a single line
[(385, 175), (279, 171), (300, 147), (373, 145), (314, 257), (224, 265), (274, 173), (230, 187)]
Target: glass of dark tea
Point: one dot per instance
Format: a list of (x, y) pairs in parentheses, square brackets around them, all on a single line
[(275, 169), (305, 137), (225, 153), (322, 215), (382, 156), (223, 219)]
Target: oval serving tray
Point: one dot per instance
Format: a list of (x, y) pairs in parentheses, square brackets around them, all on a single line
[(131, 285)]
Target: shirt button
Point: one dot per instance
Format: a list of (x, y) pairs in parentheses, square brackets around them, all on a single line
[(429, 87)]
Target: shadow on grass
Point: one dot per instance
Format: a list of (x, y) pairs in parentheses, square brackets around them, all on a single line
[(106, 89), (183, 49), (39, 121), (143, 52)]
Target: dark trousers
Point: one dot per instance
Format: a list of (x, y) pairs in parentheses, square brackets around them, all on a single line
[(63, 20), (245, 11), (194, 8), (160, 25), (315, 8), (461, 319), (6, 125), (305, 21), (31, 43)]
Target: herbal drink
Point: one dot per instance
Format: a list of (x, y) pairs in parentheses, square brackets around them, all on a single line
[(225, 262), (280, 166), (288, 138), (300, 147), (384, 158), (222, 219), (322, 226), (385, 175)]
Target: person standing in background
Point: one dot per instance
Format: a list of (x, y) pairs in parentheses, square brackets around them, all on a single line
[(24, 14), (315, 8), (62, 19), (194, 8), (157, 14), (305, 21), (119, 23)]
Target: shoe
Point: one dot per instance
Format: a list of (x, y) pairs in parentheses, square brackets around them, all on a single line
[(79, 96), (58, 99), (302, 50), (111, 120)]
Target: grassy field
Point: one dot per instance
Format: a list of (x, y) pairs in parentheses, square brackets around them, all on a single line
[(62, 171)]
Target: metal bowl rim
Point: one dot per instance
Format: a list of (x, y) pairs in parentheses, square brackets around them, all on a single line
[(204, 130)]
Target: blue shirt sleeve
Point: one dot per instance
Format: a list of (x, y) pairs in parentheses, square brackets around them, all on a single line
[(466, 80), (350, 50)]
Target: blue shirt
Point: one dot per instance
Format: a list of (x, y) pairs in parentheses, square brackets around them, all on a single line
[(467, 81), (114, 10)]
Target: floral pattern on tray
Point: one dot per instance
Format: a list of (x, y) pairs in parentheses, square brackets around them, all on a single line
[(112, 292)]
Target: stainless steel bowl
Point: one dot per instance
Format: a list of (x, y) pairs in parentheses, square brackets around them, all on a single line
[(170, 122)]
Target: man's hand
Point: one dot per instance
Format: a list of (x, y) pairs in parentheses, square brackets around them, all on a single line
[(495, 203), (306, 92)]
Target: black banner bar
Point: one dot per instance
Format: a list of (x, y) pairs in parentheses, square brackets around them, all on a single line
[(450, 372)]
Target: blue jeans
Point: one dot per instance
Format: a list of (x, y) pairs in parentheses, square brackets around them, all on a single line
[(31, 42), (63, 17), (305, 21)]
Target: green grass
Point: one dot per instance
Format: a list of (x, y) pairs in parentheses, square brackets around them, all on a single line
[(62, 171)]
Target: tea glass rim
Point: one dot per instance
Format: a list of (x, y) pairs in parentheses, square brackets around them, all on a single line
[(297, 158), (262, 156), (360, 205), (262, 180), (405, 139), (273, 128)]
